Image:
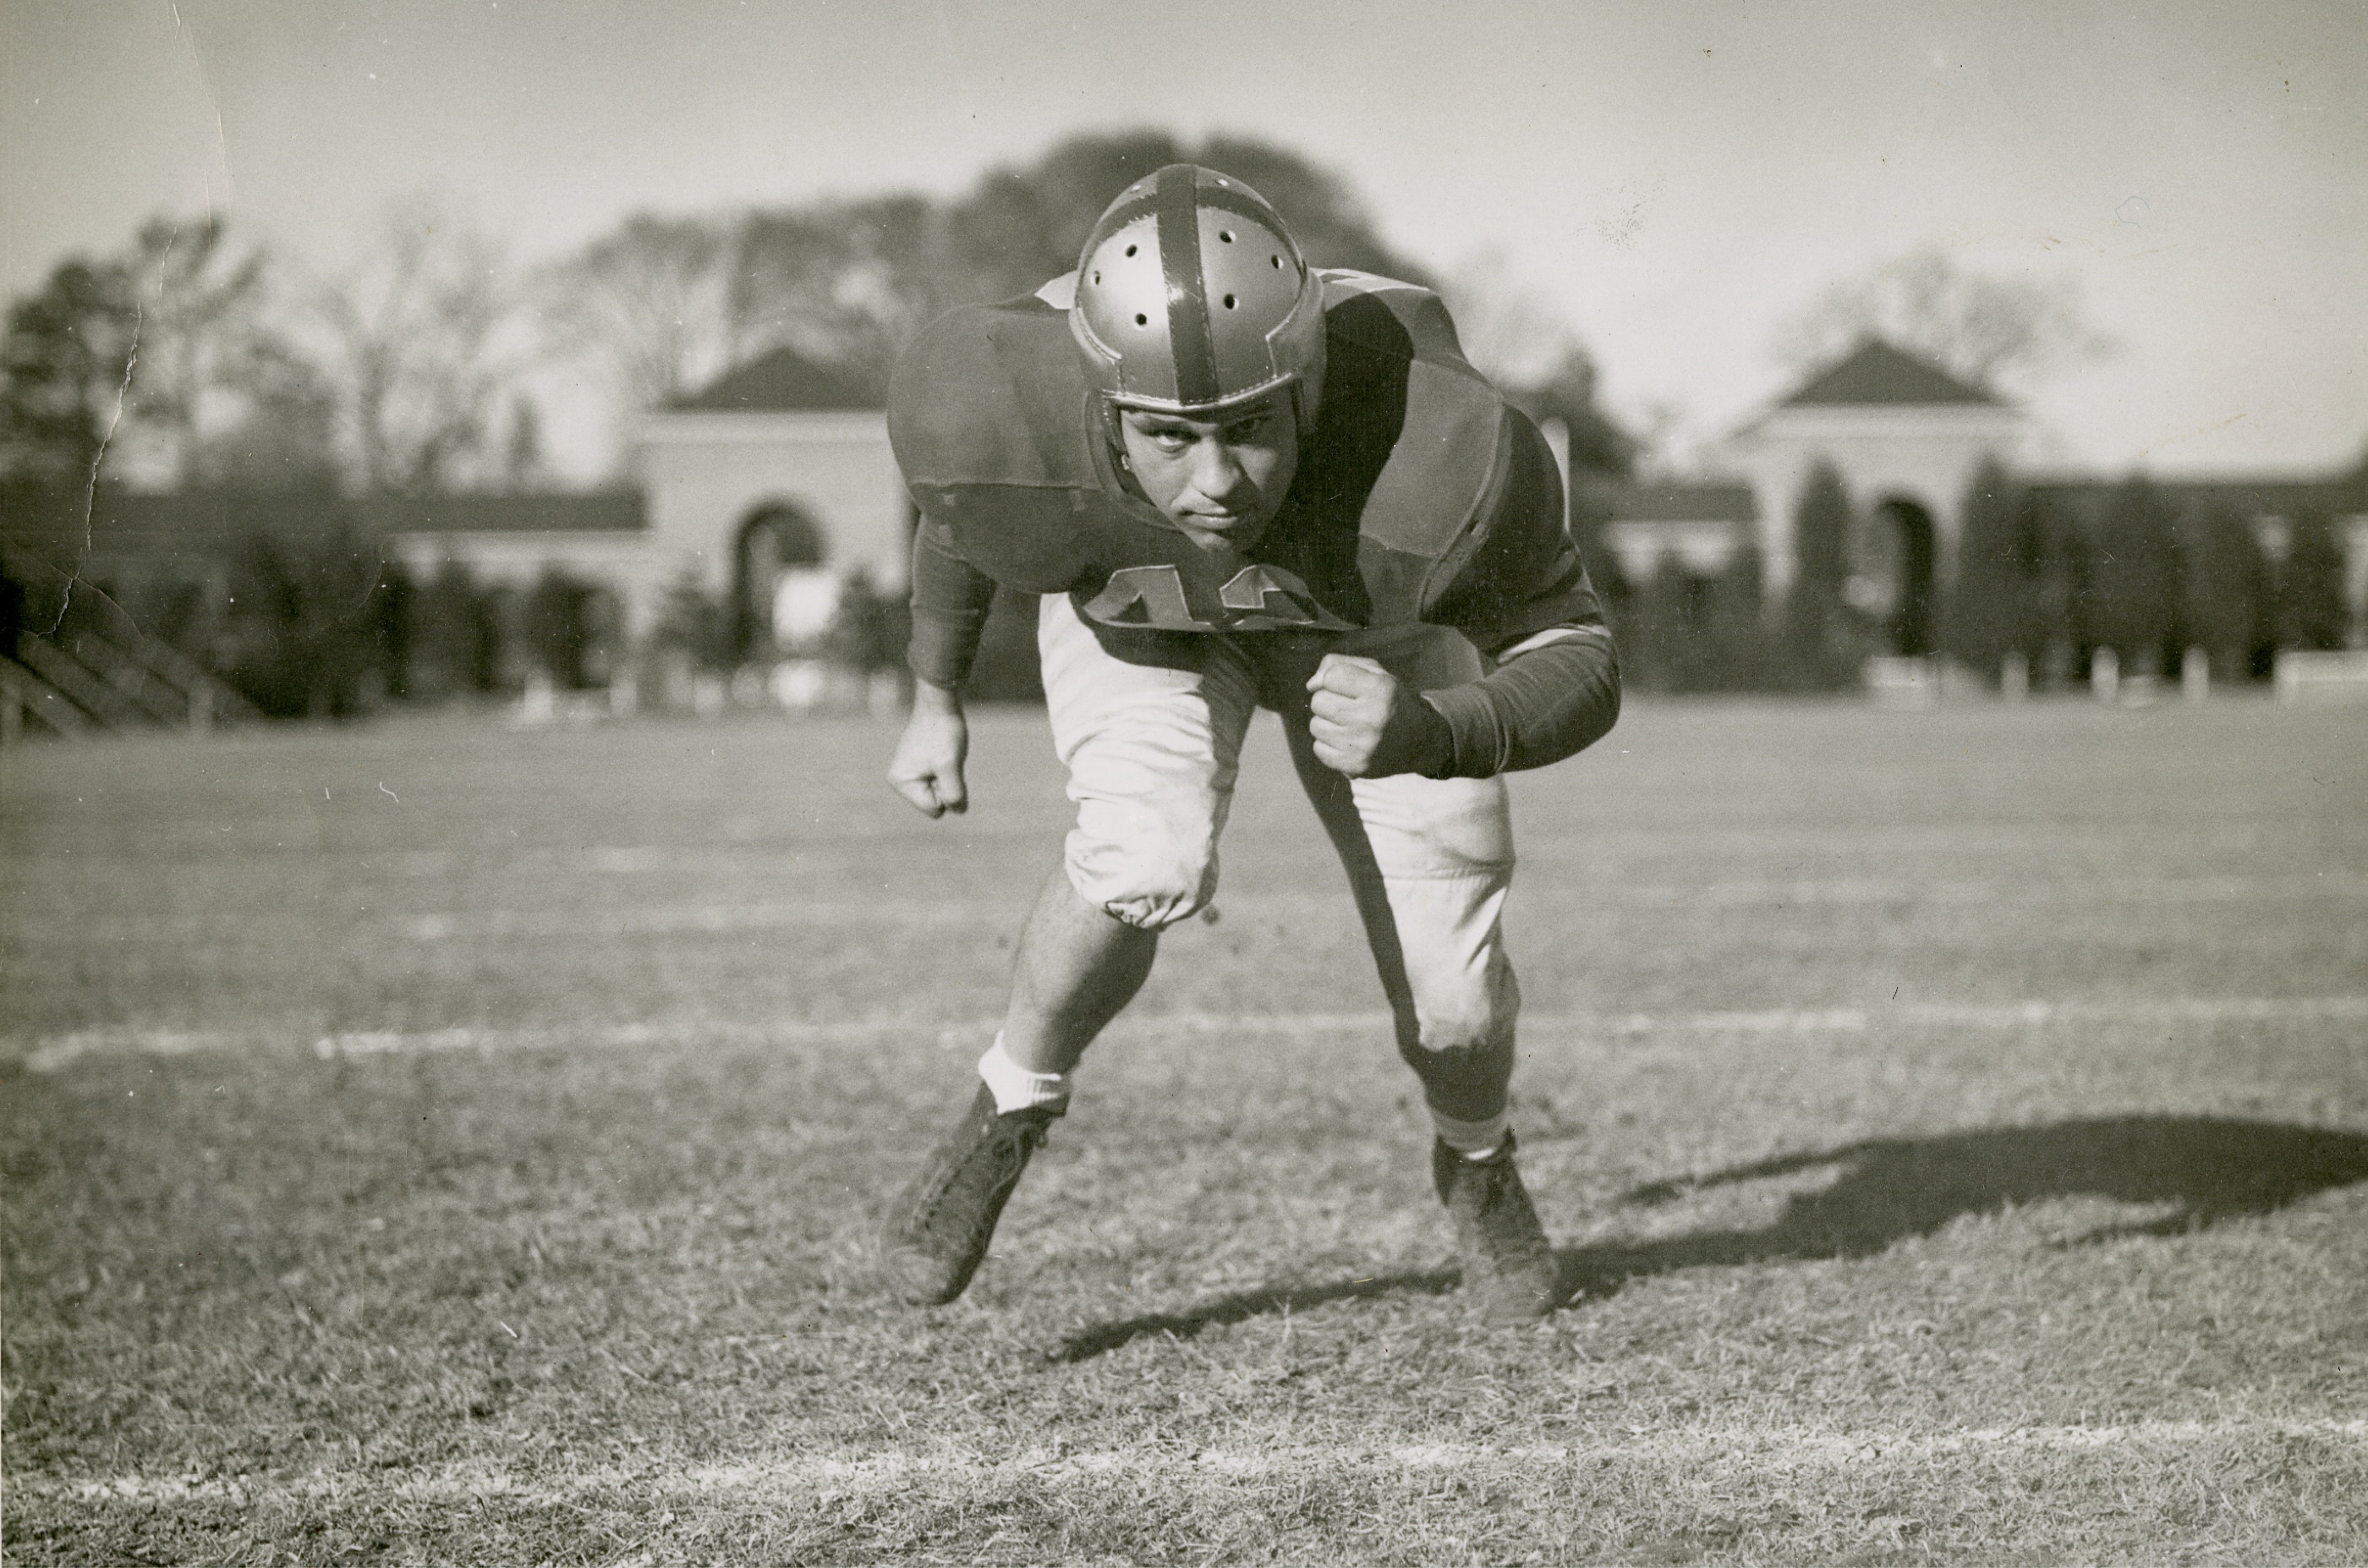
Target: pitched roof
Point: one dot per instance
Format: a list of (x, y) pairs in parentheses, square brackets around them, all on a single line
[(1875, 373), (785, 381)]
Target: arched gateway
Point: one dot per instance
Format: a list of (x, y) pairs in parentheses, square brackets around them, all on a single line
[(1897, 572), (778, 471), (1905, 437), (778, 562)]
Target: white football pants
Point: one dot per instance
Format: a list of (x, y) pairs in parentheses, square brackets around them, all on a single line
[(1152, 751)]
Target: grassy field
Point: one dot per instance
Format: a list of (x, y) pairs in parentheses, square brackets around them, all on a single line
[(436, 1143)]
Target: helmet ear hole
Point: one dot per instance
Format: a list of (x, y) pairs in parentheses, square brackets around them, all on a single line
[(1142, 320)]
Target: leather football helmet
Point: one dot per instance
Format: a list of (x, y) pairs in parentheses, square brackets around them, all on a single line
[(1192, 298)]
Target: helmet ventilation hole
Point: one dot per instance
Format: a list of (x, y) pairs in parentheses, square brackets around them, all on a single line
[(1130, 250), (1227, 235), (1097, 277), (1229, 302), (1277, 261), (1142, 320)]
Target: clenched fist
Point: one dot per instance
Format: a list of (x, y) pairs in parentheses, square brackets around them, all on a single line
[(1367, 725), (928, 767)]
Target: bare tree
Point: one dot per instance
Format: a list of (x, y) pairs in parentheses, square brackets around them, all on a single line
[(1510, 328), (414, 353), (522, 457), (283, 433), (851, 282), (654, 299), (205, 348), (217, 391), (670, 302), (845, 282), (1518, 338), (161, 356), (1984, 328)]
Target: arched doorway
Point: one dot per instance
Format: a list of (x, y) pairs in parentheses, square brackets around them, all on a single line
[(1895, 580), (778, 546)]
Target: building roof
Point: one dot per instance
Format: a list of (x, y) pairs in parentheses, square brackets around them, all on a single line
[(786, 381), (591, 511), (125, 527), (1876, 374), (2248, 495), (1682, 501)]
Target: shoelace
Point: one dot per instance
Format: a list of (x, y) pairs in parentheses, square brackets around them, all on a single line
[(1008, 1146)]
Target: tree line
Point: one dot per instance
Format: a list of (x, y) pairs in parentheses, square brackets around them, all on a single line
[(2043, 578), (297, 611), (199, 356), (196, 358)]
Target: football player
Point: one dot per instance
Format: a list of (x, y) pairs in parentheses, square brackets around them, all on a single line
[(1240, 481)]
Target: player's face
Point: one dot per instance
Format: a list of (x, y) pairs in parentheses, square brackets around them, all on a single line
[(1221, 482)]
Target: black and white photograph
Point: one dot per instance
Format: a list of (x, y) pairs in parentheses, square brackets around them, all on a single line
[(1075, 783)]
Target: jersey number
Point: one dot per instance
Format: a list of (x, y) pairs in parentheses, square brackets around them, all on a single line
[(1257, 598)]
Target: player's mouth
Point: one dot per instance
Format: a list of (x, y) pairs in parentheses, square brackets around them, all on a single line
[(1234, 530), (1217, 515)]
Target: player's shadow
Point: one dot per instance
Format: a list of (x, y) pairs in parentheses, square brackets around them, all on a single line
[(2190, 1172)]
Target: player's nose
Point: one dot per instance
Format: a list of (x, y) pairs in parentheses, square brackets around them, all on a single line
[(1216, 471)]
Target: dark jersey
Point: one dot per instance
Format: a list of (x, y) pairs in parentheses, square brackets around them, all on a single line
[(1421, 495)]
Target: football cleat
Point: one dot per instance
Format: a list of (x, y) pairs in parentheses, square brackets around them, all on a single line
[(1509, 1267), (937, 1233)]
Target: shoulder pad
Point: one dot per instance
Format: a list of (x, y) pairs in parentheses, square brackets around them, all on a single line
[(1410, 436), (1389, 316), (992, 395)]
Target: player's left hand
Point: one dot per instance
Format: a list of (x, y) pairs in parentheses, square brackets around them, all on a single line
[(1367, 725)]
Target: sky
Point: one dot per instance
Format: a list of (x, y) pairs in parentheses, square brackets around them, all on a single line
[(1678, 179)]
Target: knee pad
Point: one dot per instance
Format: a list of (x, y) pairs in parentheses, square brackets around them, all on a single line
[(1150, 882), (1471, 1012)]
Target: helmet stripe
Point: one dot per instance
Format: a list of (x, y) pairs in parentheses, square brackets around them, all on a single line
[(1188, 296)]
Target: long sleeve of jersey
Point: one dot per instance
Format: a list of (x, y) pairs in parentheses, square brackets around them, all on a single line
[(950, 598), (1521, 592), (1541, 705)]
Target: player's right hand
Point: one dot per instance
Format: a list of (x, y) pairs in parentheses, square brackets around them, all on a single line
[(928, 767)]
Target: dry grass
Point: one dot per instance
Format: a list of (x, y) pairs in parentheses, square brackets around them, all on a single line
[(1955, 1125)]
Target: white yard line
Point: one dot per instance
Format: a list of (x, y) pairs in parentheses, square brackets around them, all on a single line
[(1758, 1448), (51, 1052), (1992, 1015), (896, 913), (833, 915), (1845, 892)]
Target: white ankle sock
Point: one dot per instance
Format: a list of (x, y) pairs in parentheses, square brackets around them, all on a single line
[(1015, 1088), (1472, 1140)]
